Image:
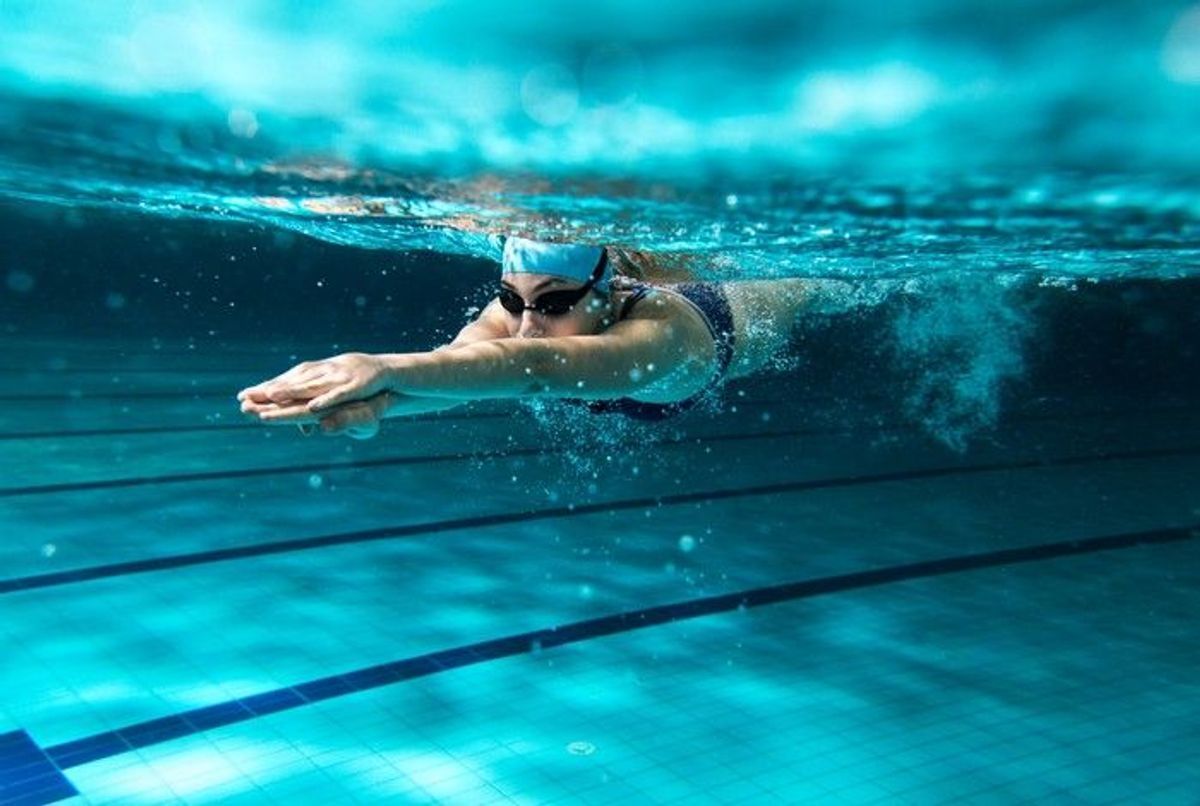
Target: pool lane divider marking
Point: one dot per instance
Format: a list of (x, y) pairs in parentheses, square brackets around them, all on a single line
[(28, 776), (217, 475), (187, 723), (184, 429), (187, 429), (360, 464), (83, 397), (70, 371), (78, 575), (163, 394)]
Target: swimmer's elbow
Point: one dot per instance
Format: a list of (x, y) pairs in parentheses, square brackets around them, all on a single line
[(555, 372), (536, 369)]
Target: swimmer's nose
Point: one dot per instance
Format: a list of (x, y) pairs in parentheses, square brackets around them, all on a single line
[(531, 325)]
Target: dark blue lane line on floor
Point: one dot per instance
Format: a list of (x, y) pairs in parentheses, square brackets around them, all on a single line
[(224, 393), (67, 397), (187, 723), (469, 416), (359, 464), (185, 429), (71, 370), (9, 436), (28, 776), (221, 475), (78, 575)]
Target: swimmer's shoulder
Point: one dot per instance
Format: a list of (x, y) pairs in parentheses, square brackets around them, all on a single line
[(660, 303), (640, 300)]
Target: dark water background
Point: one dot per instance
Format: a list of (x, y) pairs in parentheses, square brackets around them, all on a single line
[(958, 358), (1011, 191)]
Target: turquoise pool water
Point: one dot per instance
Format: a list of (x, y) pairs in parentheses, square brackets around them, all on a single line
[(944, 552)]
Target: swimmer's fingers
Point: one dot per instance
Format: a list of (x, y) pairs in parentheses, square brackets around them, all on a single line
[(294, 414), (256, 405), (261, 395), (345, 393), (343, 378), (351, 376), (274, 388), (298, 387), (252, 408), (251, 394), (315, 386)]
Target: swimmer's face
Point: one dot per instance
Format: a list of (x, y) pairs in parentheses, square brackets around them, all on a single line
[(587, 317)]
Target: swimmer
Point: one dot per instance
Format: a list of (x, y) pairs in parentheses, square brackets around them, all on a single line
[(564, 324)]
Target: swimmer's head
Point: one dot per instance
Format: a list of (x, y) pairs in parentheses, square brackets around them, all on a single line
[(573, 262), (552, 289)]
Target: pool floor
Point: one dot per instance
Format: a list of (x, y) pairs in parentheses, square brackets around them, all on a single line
[(511, 606)]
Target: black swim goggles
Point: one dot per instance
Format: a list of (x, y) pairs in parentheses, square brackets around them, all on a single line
[(552, 303)]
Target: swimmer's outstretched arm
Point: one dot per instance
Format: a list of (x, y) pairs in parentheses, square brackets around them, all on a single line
[(655, 359), (632, 358), (280, 400)]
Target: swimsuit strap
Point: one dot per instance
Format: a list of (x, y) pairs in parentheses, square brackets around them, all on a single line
[(710, 301), (639, 292)]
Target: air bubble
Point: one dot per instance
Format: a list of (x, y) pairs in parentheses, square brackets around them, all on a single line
[(242, 123), (550, 95), (20, 281)]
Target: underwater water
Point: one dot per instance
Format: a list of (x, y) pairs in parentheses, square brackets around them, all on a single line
[(942, 550)]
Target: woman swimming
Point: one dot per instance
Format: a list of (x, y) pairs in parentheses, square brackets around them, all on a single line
[(562, 325)]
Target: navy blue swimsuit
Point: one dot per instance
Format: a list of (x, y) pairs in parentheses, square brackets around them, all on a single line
[(707, 298)]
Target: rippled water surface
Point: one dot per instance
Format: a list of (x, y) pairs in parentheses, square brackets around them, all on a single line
[(1054, 138)]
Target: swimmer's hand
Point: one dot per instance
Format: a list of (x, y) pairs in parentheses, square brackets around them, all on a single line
[(358, 419), (322, 384)]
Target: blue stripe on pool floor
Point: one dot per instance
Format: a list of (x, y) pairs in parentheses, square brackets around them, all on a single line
[(359, 464), (189, 429), (38, 765), (489, 415), (78, 575), (28, 776)]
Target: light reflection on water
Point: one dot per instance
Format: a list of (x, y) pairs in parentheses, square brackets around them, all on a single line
[(775, 138)]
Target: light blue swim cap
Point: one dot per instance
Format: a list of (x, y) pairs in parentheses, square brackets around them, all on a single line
[(568, 261)]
